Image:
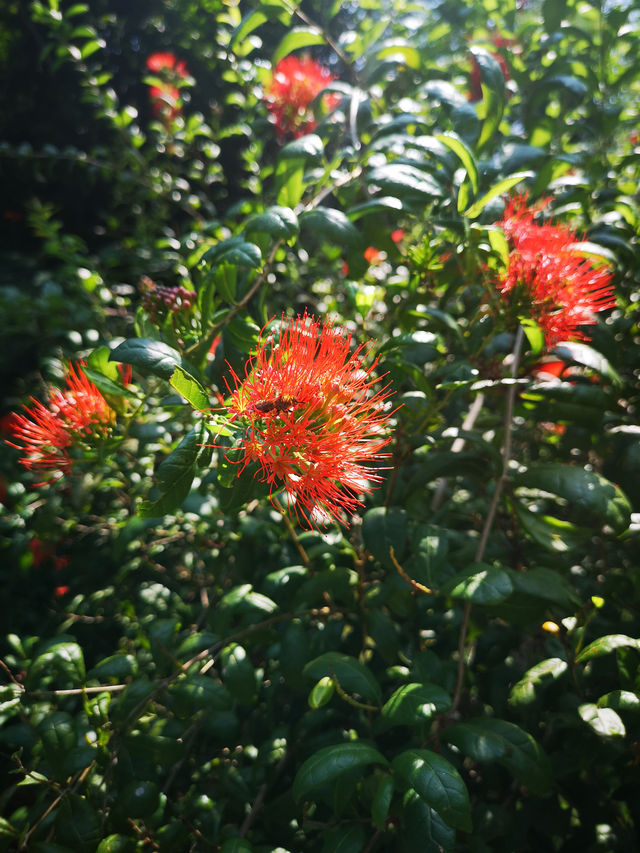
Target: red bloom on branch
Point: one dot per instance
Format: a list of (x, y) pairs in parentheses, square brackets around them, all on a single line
[(48, 433), (165, 98), (548, 279), (295, 84), (313, 419)]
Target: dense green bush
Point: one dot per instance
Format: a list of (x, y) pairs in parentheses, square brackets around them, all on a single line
[(186, 664)]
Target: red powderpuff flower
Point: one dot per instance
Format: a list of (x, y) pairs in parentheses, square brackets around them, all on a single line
[(313, 419), (294, 85), (48, 433), (165, 98), (373, 256), (398, 235), (548, 279)]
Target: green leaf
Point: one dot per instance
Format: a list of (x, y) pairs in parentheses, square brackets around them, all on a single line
[(255, 19), (195, 693), (242, 332), (115, 667), (238, 673), (234, 250), (175, 475), (438, 783), (546, 584), (489, 739), (400, 180), (536, 679), (579, 353), (620, 700), (60, 656), (236, 845), (382, 801), (277, 221), (344, 839), (148, 356), (289, 182), (307, 147), (604, 721), (605, 645), (480, 584), (331, 224), (412, 704), (353, 676), (493, 92), (384, 528), (558, 536), (464, 154), (501, 187), (77, 824), (295, 39), (329, 763), (423, 830), (593, 497), (189, 388), (376, 205)]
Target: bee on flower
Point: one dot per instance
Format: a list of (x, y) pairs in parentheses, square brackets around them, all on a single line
[(312, 421), (548, 279)]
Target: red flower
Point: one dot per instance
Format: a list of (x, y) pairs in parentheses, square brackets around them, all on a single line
[(165, 98), (61, 591), (295, 84), (47, 433), (548, 279), (312, 418), (398, 235), (372, 255)]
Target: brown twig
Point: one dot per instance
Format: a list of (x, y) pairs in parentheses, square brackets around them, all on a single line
[(491, 514), (419, 587)]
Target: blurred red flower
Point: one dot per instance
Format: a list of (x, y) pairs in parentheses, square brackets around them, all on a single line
[(313, 419), (165, 98), (47, 433), (294, 85), (372, 255), (475, 78), (548, 279), (398, 235)]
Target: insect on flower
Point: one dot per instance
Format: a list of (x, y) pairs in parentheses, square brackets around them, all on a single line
[(313, 421)]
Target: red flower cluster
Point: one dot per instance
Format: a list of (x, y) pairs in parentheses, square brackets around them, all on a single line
[(295, 84), (548, 278), (48, 433), (313, 418), (165, 98)]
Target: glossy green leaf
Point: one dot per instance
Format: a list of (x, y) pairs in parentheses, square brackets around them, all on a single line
[(255, 19), (545, 584), (238, 673), (536, 679), (594, 498), (603, 721), (175, 475), (295, 39), (480, 583), (59, 657), (402, 180), (277, 221), (464, 154), (501, 187), (78, 824), (330, 762), (438, 783), (332, 225), (384, 528), (493, 92), (148, 356), (606, 645), (308, 147), (234, 250), (115, 667), (348, 838), (353, 676), (382, 801), (412, 704), (423, 830), (579, 353), (620, 700), (189, 388)]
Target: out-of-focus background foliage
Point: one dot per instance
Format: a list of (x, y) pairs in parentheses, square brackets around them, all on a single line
[(182, 668)]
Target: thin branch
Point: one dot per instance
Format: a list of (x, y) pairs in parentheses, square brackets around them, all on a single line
[(491, 514), (419, 587), (458, 447)]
